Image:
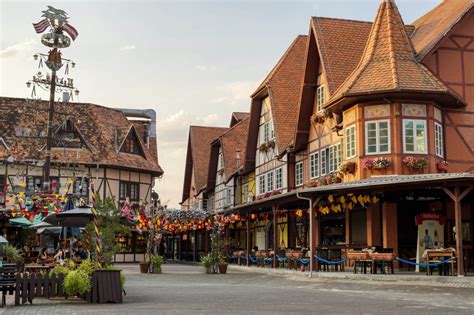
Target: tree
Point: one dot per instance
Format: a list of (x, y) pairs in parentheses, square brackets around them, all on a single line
[(108, 223)]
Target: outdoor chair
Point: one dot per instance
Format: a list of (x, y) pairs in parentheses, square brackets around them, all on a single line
[(282, 261), (336, 255), (324, 254)]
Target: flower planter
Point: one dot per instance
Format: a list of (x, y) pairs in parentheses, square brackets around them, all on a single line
[(442, 167), (156, 270), (357, 255), (208, 270), (106, 287), (382, 256), (144, 267), (223, 268)]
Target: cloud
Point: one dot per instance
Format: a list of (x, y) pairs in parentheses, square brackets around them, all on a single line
[(235, 92), (205, 68), (127, 47), (172, 145), (21, 50)]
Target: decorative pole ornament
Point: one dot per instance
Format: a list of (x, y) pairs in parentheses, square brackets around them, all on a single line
[(59, 36)]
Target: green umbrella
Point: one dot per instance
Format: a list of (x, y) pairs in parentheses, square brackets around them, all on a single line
[(24, 222)]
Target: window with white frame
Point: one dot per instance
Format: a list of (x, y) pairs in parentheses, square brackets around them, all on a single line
[(320, 97), (279, 178), (221, 160), (245, 193), (350, 142), (270, 181), (299, 174), (377, 137), (319, 94), (261, 184), (438, 131), (314, 165), (414, 136), (266, 132), (229, 197), (324, 168), (335, 157)]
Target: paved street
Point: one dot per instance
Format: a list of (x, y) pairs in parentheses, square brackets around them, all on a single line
[(185, 289)]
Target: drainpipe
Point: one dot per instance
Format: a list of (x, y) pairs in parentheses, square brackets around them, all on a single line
[(311, 227)]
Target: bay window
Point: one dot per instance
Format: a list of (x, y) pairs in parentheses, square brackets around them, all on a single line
[(414, 136), (438, 135), (350, 142), (377, 137)]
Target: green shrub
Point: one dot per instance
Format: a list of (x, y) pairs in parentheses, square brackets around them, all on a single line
[(87, 266), (157, 261), (77, 283), (122, 276), (12, 255), (207, 261)]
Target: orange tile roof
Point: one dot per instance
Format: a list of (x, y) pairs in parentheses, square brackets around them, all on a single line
[(200, 139), (341, 44), (434, 25), (101, 128), (388, 63), (232, 141), (284, 85)]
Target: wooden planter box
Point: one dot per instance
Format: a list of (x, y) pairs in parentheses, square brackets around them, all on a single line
[(106, 287), (383, 256), (357, 255)]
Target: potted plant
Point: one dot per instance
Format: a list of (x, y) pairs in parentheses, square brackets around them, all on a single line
[(145, 265), (223, 265), (12, 255), (77, 283), (156, 262), (442, 166), (206, 262), (348, 167), (415, 163)]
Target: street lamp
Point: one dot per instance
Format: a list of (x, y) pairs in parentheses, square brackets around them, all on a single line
[(56, 21)]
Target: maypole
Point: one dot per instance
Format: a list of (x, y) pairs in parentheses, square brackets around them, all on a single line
[(96, 230)]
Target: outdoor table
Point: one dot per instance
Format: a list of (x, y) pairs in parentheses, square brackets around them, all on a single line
[(442, 254), (382, 260), (34, 268)]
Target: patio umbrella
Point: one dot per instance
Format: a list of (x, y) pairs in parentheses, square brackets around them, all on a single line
[(40, 225), (3, 240), (70, 217), (24, 222)]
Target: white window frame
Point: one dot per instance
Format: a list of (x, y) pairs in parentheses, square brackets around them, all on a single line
[(261, 184), (270, 182), (335, 157), (279, 178), (323, 158), (266, 132), (245, 192), (319, 97), (377, 131), (314, 165), (415, 122), (299, 174), (438, 137), (351, 144)]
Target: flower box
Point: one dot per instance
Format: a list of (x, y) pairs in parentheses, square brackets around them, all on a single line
[(382, 256), (357, 255), (442, 166)]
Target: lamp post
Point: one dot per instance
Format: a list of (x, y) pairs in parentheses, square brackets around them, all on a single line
[(56, 21)]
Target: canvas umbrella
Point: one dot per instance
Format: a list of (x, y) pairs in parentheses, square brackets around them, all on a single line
[(24, 222), (70, 216)]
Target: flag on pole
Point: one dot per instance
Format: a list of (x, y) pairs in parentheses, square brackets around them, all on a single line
[(41, 26), (68, 28)]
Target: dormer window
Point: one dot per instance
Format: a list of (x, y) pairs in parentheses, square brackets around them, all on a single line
[(68, 136), (319, 95), (131, 144)]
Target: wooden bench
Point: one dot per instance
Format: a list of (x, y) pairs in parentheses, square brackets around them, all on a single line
[(7, 280)]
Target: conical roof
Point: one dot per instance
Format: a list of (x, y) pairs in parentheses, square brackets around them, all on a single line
[(388, 63)]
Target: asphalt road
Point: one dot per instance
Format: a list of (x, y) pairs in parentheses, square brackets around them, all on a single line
[(184, 289)]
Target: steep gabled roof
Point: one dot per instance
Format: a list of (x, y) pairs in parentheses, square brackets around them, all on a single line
[(23, 127), (231, 142), (388, 63), (284, 85), (197, 156), (434, 25), (237, 117)]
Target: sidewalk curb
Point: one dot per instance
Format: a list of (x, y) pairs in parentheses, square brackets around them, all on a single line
[(400, 279)]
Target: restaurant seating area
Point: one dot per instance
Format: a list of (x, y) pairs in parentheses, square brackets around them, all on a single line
[(340, 259)]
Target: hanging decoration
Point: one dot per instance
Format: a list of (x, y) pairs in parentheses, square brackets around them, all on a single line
[(337, 204)]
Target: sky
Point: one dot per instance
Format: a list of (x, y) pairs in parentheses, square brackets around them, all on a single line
[(193, 62)]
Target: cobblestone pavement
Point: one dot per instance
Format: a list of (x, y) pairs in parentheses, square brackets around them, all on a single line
[(184, 289)]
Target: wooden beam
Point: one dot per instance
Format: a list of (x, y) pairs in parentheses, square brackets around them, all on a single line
[(275, 236), (313, 233), (249, 242)]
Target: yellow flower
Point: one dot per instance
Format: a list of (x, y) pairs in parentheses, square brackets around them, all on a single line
[(330, 199), (22, 185)]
